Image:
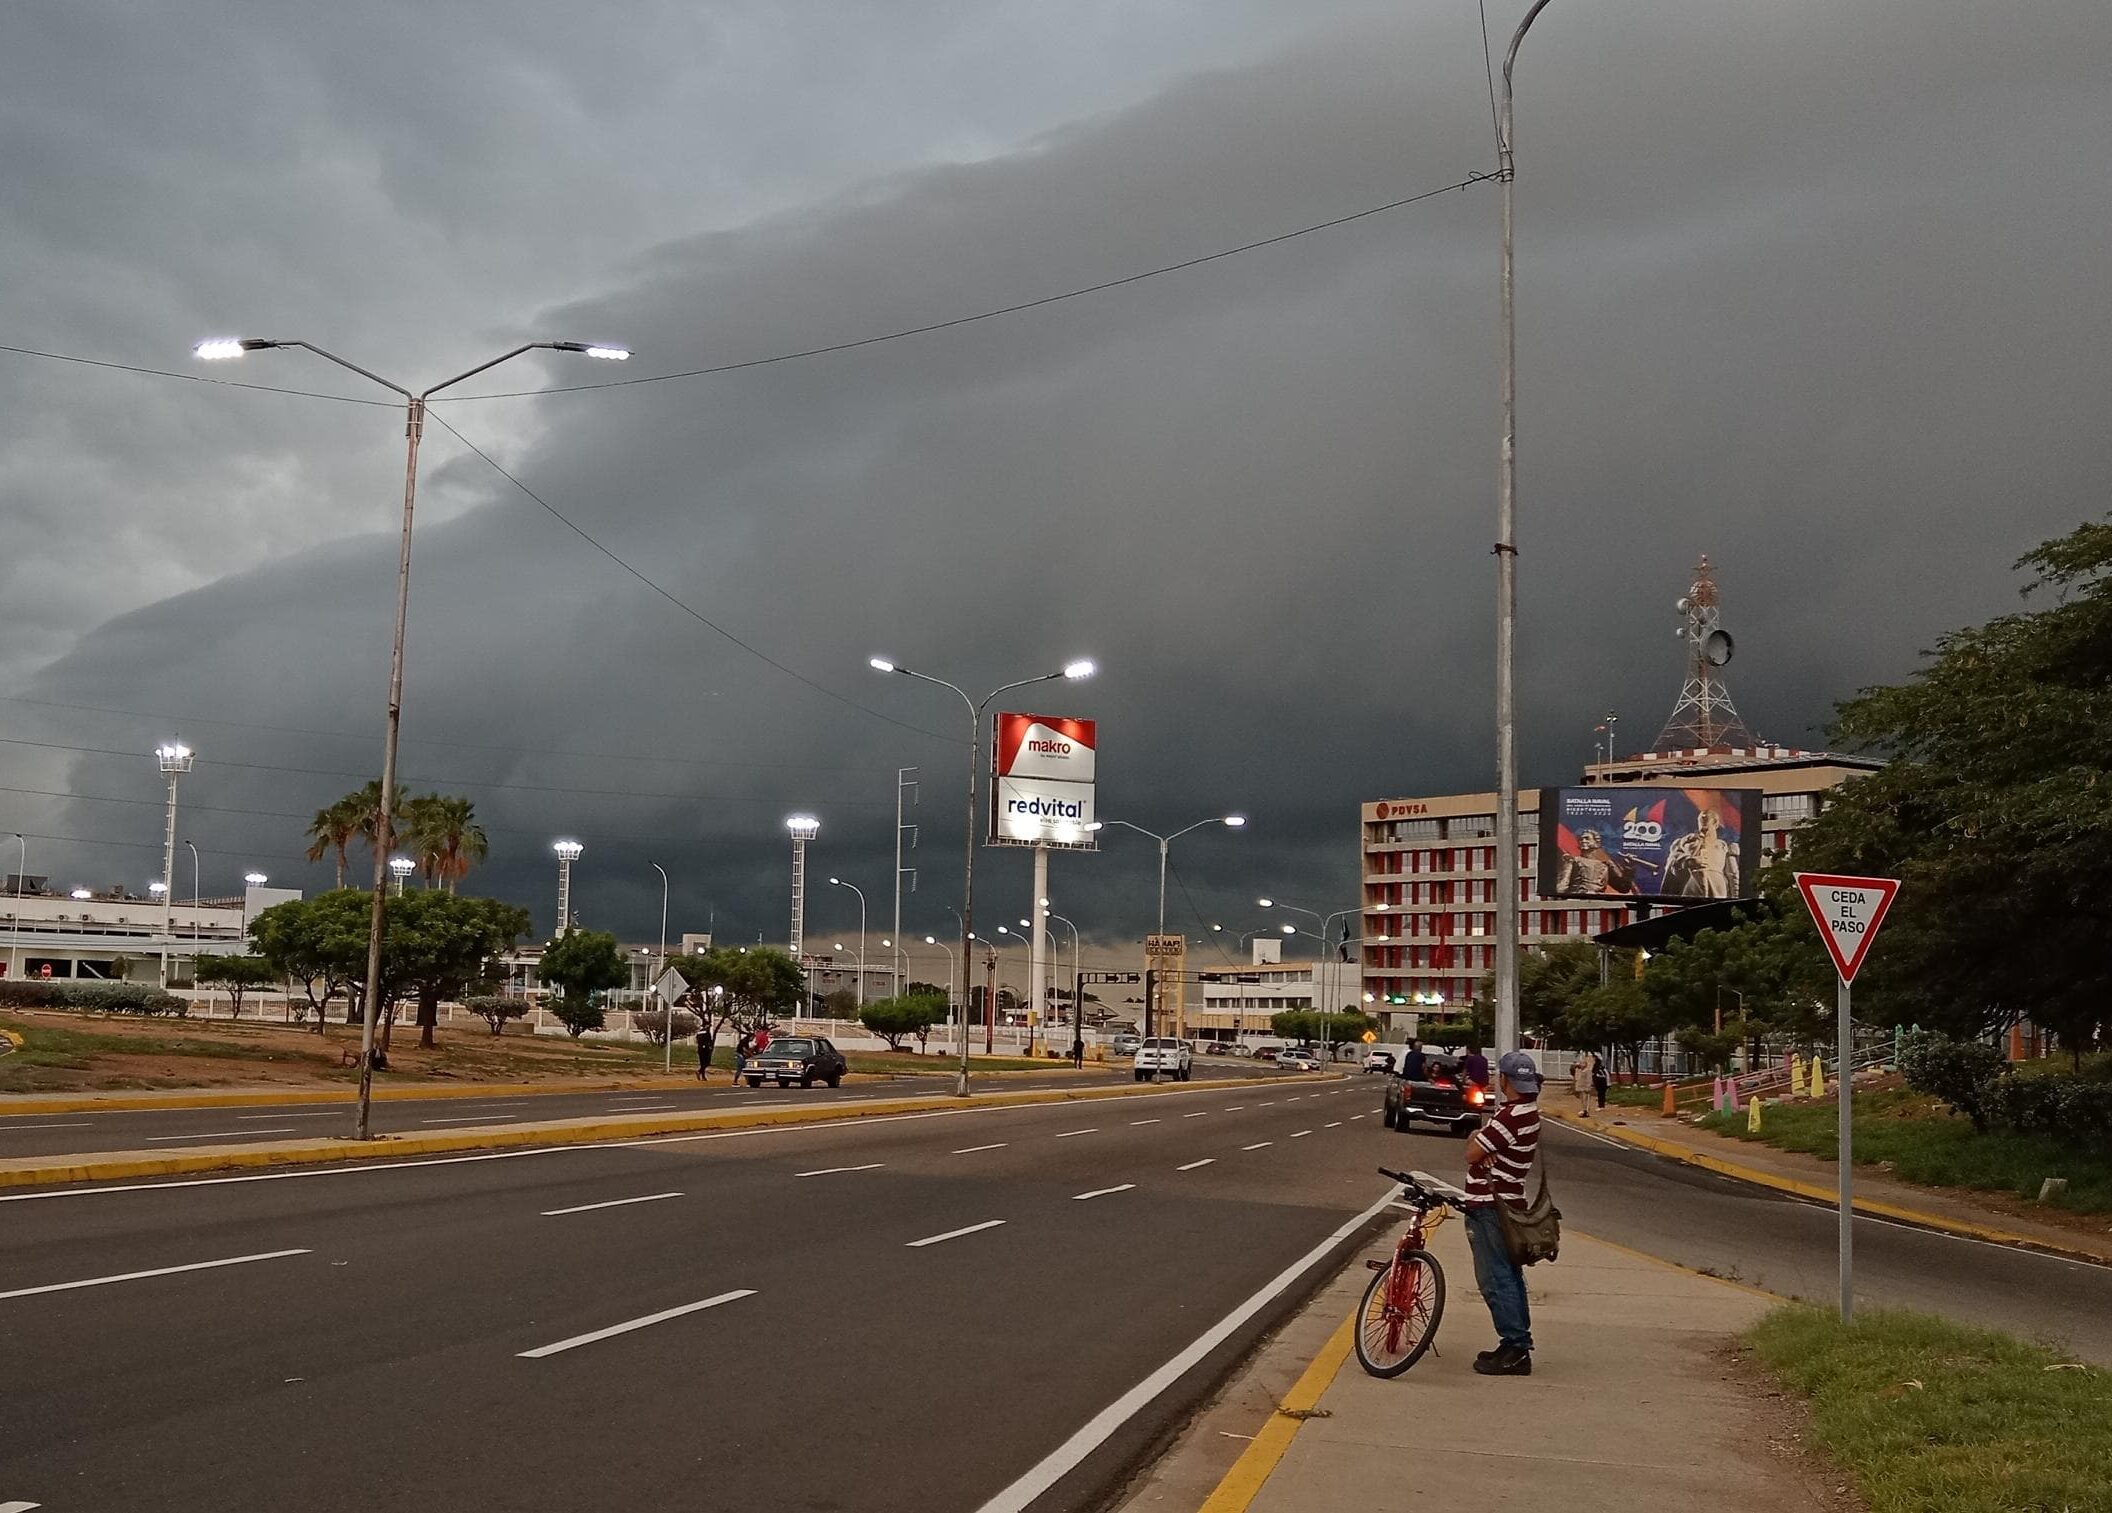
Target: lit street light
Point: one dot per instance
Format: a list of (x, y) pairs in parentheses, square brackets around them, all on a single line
[(255, 879), (221, 348), (803, 827), (175, 760), (952, 969), (568, 852), (1083, 668), (1320, 962), (837, 882)]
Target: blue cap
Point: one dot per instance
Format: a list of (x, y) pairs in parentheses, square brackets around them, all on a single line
[(1520, 1068)]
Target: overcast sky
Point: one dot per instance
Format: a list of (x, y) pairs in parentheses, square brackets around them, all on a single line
[(1816, 289)]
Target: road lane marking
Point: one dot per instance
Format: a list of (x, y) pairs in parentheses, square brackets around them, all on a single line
[(1332, 1124), (18, 1507), (1353, 1118), (830, 1171), (1197, 1114), (1070, 1132), (628, 1325), (1257, 1145), (969, 1150), (1135, 1122), (551, 1213), (335, 1113), (457, 1119), (9, 1129), (952, 1234), (1102, 1427), (626, 1107), (1270, 1104), (1301, 1134), (159, 1271), (1101, 1192), (1191, 1166), (1235, 1108), (223, 1134)]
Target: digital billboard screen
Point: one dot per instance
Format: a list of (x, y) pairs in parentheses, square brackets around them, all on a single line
[(1672, 845)]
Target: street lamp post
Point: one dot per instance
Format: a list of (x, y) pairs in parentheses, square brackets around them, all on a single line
[(803, 828), (1077, 993), (1074, 670), (953, 968), (1320, 964), (22, 863), (667, 1062), (384, 830), (195, 932), (837, 882), (1506, 551), (175, 760), (568, 852), (1229, 821), (401, 868)]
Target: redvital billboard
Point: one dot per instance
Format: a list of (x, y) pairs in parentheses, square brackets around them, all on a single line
[(1680, 845), (1041, 790)]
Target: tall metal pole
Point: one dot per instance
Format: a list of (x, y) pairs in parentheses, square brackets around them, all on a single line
[(667, 1062), (168, 881), (975, 740), (901, 782), (1165, 842), (1844, 1037), (194, 914), (22, 865), (1506, 552), (1038, 947)]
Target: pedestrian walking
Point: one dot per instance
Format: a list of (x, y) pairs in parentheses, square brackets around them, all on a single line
[(1581, 1077), (1414, 1066), (1474, 1066), (1601, 1079), (1498, 1158), (704, 1038), (743, 1048)]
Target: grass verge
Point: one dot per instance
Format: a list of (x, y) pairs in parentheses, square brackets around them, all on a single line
[(1923, 1141), (1934, 1417)]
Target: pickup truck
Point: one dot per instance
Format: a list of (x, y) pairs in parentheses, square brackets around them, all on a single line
[(1162, 1053), (1442, 1096)]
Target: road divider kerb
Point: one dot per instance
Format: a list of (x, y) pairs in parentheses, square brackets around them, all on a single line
[(1815, 1192), (128, 1166), (178, 1100), (1243, 1483)]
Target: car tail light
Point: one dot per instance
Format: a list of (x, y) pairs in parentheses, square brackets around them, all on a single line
[(1475, 1095)]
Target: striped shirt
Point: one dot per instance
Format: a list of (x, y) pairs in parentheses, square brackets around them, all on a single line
[(1513, 1135)]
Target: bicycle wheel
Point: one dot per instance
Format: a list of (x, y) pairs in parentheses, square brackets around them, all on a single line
[(1398, 1318)]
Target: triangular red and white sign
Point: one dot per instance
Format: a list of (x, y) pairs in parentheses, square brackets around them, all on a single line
[(1848, 911)]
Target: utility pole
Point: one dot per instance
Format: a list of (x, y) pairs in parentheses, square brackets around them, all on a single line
[(905, 782)]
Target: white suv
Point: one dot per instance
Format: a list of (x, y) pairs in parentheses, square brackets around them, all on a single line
[(1162, 1053)]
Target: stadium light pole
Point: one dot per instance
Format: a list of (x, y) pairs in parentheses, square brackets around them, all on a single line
[(1229, 821), (402, 867), (837, 882), (175, 760), (1082, 668), (568, 852), (1506, 551), (220, 349)]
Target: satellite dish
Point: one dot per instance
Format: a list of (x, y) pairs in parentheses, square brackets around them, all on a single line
[(1716, 647)]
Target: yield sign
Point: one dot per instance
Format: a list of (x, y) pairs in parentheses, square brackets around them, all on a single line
[(1848, 911)]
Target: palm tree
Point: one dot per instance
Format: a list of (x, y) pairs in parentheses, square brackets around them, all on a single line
[(449, 832), (333, 830), (365, 806), (417, 833)]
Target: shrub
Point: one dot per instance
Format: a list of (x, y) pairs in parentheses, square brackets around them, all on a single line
[(1960, 1072), (94, 997), (496, 1011), (654, 1023), (577, 1014)]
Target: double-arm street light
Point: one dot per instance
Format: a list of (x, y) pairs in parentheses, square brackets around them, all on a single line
[(837, 882), (1320, 965), (1082, 668), (384, 831), (1230, 821)]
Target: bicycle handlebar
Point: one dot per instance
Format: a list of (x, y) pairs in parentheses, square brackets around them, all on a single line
[(1427, 1196)]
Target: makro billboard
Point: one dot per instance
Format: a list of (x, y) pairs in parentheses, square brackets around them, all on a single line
[(1041, 789), (1677, 845)]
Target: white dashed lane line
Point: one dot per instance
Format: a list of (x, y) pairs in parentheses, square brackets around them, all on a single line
[(1070, 1132), (953, 1234), (335, 1113), (969, 1150), (629, 1324), (222, 1134), (1197, 1114), (1332, 1124), (830, 1171), (1353, 1118), (1191, 1166), (1135, 1122), (551, 1213), (1301, 1134), (1257, 1145), (1101, 1192), (9, 1129)]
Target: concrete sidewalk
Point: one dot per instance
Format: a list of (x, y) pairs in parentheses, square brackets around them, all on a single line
[(1633, 1405)]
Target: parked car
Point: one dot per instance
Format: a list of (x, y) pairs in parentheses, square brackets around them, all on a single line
[(1162, 1053), (1267, 1053), (1125, 1044), (1378, 1061), (804, 1059), (1441, 1097), (1217, 1048), (1298, 1058), (1241, 1048)]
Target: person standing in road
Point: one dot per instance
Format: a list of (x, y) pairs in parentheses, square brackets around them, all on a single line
[(1499, 1156), (1581, 1077), (704, 1051), (1413, 1066), (1474, 1066)]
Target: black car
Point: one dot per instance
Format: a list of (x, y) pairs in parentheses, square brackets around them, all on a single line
[(1441, 1097), (804, 1059)]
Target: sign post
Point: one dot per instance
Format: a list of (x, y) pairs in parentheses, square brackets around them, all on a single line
[(1168, 957), (1848, 911)]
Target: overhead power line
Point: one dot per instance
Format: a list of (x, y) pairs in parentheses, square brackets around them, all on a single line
[(195, 378)]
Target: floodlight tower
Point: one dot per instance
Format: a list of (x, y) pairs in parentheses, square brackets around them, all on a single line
[(175, 759), (803, 828), (568, 852)]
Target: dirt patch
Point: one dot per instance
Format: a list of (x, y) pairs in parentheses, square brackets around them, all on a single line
[(1781, 1421)]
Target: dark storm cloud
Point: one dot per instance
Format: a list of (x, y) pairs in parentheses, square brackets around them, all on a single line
[(1791, 293)]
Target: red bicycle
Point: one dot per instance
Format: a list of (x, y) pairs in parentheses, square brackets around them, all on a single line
[(1398, 1318)]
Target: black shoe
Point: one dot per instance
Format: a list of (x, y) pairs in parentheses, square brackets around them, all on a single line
[(1483, 1357), (1507, 1360)]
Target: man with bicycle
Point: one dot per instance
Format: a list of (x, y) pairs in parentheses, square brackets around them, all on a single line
[(1499, 1157)]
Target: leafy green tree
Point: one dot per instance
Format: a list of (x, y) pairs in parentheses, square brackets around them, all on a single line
[(237, 974), (581, 965), (578, 1015), (1551, 980), (442, 833), (319, 942), (841, 1004), (1618, 1015), (1311, 1025), (495, 1011), (440, 944), (908, 1014), (753, 986)]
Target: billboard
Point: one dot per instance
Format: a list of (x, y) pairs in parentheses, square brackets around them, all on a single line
[(1671, 845), (1041, 781)]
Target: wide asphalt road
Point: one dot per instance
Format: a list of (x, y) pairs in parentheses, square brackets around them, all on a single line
[(984, 1308), (1785, 1245), (174, 1127)]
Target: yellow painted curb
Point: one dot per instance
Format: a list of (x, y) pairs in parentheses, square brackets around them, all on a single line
[(1692, 1271), (1258, 1461), (13, 1040), (1876, 1208), (128, 1166)]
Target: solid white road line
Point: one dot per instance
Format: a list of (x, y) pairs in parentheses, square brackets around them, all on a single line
[(9, 1129), (1135, 1122), (626, 1327), (952, 1234), (159, 1271), (1070, 1132), (969, 1150), (1257, 1145), (222, 1134), (1096, 1432), (830, 1171), (1191, 1166), (1101, 1192), (551, 1213)]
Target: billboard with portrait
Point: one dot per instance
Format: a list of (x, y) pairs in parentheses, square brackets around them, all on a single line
[(1669, 845)]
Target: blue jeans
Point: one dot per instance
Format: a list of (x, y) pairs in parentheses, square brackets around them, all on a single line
[(1502, 1281)]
